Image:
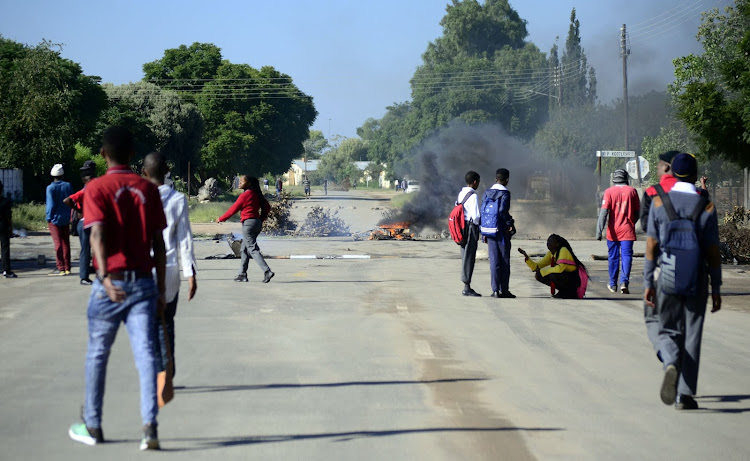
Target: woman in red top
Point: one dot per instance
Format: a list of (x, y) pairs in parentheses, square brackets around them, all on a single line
[(253, 208)]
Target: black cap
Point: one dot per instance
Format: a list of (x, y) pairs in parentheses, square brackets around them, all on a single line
[(684, 166), (88, 165), (668, 156)]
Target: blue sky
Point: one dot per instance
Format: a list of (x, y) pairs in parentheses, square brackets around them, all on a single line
[(355, 58)]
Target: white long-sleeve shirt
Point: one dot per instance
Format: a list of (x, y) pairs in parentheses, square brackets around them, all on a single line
[(177, 235), (471, 207)]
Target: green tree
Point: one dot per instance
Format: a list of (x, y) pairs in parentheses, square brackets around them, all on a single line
[(48, 105), (338, 163), (185, 69), (712, 90), (314, 145), (575, 72)]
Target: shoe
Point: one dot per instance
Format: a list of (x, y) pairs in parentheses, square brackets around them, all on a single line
[(150, 440), (470, 292), (495, 294), (56, 272), (685, 402), (669, 385), (624, 289), (612, 289), (268, 276), (9, 275), (86, 435), (507, 294), (65, 273), (86, 282), (241, 278)]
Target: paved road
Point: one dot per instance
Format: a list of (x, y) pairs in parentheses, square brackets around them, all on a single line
[(376, 359)]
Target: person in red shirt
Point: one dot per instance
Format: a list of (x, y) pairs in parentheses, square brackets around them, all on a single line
[(254, 209), (620, 207), (126, 219), (75, 201)]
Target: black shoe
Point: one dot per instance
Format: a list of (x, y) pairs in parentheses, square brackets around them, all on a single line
[(268, 276), (241, 278), (470, 292), (507, 294), (685, 402), (495, 294), (9, 275), (150, 440), (669, 385), (86, 282)]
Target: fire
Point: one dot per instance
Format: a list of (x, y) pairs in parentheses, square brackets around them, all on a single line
[(395, 230)]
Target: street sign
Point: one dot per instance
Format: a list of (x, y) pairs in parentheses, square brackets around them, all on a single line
[(615, 153), (630, 167)]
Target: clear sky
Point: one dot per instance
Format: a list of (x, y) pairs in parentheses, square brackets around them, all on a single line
[(354, 58)]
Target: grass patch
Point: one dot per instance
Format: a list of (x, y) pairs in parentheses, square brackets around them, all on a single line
[(29, 216), (399, 200), (210, 212)]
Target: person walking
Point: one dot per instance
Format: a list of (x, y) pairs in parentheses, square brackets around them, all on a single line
[(178, 238), (254, 209), (498, 236), (265, 184), (75, 201), (619, 213), (306, 186), (58, 219), (682, 216), (325, 186), (6, 229), (468, 197), (279, 187), (124, 213)]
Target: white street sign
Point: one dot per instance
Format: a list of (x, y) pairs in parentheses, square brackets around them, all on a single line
[(630, 167), (615, 153)]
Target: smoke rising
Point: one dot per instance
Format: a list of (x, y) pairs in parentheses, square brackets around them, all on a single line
[(444, 159)]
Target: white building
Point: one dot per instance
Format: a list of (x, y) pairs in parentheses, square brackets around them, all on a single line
[(297, 172)]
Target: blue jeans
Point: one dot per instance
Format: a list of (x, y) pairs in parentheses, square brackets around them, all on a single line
[(85, 258), (138, 313), (499, 253), (615, 248)]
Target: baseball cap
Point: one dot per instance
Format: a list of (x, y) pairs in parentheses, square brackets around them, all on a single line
[(668, 156), (88, 165), (57, 170), (684, 165)]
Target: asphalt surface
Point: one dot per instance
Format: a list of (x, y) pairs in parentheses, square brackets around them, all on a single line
[(373, 359)]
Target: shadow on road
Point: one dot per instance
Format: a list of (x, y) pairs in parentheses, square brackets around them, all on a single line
[(251, 387), (708, 399)]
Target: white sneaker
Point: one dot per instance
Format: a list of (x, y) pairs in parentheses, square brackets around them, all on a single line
[(612, 289), (624, 290)]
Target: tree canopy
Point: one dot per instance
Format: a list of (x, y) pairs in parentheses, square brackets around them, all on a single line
[(712, 90)]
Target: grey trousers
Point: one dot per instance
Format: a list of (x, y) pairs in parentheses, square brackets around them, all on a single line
[(469, 252), (250, 230), (680, 334), (651, 318)]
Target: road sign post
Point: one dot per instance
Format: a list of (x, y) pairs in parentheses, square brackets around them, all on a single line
[(620, 154)]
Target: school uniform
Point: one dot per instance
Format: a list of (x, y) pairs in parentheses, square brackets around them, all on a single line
[(471, 228), (559, 275), (681, 317), (254, 209), (499, 245)]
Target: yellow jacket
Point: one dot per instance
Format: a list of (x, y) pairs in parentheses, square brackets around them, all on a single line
[(548, 264)]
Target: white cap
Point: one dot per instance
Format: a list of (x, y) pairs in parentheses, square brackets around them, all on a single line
[(57, 170)]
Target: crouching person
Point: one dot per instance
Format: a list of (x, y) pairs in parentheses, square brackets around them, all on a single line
[(560, 269)]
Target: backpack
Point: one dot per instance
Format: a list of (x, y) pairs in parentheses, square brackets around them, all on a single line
[(680, 258), (489, 215), (456, 223)]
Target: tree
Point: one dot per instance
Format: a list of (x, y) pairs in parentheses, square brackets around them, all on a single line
[(338, 163), (712, 90), (574, 67), (48, 105), (314, 145), (185, 69)]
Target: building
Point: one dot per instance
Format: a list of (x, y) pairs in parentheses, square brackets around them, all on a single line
[(296, 172)]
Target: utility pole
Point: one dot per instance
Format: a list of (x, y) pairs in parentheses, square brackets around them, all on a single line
[(624, 53)]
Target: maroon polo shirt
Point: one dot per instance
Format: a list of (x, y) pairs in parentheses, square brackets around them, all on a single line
[(129, 207)]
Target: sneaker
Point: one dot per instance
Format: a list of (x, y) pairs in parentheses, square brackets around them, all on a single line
[(612, 289), (150, 440), (624, 289), (507, 294), (86, 282), (241, 278), (471, 292), (668, 391), (9, 275), (86, 435), (65, 273), (56, 272), (268, 276), (685, 402)]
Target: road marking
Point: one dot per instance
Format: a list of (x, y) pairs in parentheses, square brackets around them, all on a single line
[(402, 309), (266, 311), (423, 348)]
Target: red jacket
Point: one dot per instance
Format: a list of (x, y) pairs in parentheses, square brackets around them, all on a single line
[(252, 204)]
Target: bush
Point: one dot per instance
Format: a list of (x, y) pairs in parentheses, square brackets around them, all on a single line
[(29, 216), (320, 222), (279, 222)]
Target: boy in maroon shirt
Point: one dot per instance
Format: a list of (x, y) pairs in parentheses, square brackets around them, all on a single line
[(126, 219), (253, 208)]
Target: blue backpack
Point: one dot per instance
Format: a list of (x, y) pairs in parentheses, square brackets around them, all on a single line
[(489, 212), (681, 255)]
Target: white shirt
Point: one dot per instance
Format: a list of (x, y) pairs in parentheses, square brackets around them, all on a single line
[(176, 235), (471, 207), (498, 187), (684, 187)]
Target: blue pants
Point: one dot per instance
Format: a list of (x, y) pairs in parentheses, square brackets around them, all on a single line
[(615, 248), (85, 259), (138, 313), (499, 251)]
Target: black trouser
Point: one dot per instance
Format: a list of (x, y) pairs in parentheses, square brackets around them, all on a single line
[(5, 248), (469, 252), (566, 283)]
